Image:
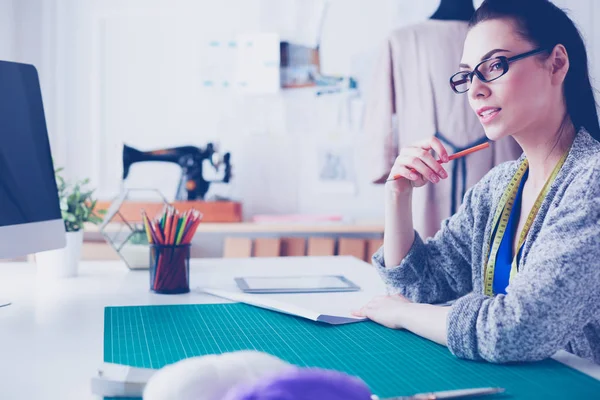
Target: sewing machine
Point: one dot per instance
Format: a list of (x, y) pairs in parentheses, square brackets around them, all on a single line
[(192, 185)]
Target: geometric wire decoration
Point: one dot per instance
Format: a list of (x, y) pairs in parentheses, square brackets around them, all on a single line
[(123, 228)]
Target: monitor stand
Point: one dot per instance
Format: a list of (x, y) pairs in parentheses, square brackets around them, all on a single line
[(4, 303)]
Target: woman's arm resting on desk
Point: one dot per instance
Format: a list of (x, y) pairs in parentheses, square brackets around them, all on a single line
[(397, 312), (554, 296)]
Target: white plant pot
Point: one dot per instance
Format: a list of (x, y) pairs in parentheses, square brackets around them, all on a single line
[(61, 263)]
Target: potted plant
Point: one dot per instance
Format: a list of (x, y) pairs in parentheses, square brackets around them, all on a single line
[(77, 207)]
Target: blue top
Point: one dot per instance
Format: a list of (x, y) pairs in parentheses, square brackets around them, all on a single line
[(505, 255)]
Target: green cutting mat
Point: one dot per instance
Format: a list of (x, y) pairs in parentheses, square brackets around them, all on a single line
[(391, 362)]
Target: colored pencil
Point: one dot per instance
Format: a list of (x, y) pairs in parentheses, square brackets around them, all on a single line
[(451, 157), (181, 227)]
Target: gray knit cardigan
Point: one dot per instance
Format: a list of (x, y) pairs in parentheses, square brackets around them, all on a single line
[(552, 303)]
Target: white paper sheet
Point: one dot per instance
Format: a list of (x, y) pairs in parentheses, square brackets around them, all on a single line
[(333, 308)]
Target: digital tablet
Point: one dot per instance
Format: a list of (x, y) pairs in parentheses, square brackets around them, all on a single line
[(296, 284)]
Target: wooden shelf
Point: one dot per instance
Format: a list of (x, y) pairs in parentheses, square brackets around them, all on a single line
[(280, 228), (214, 211)]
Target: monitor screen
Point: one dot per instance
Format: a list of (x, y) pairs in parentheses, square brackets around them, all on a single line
[(28, 192)]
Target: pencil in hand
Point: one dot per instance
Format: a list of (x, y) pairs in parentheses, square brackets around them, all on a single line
[(451, 157)]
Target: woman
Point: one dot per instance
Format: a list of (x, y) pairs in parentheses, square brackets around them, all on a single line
[(529, 284)]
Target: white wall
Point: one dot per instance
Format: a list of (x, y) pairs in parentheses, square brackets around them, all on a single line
[(7, 30), (33, 27), (584, 13), (116, 71), (133, 78)]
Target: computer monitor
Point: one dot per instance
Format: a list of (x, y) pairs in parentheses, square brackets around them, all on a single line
[(30, 217)]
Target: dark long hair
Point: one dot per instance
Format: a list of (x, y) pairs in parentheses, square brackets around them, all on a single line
[(545, 25)]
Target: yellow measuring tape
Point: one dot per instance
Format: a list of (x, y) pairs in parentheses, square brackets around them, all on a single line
[(502, 215)]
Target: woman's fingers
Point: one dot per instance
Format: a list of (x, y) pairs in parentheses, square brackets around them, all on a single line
[(434, 167), (417, 164), (417, 161), (411, 177), (439, 148), (364, 309), (362, 313), (436, 145), (404, 172)]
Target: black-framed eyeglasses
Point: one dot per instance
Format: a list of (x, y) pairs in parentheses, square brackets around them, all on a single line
[(487, 71)]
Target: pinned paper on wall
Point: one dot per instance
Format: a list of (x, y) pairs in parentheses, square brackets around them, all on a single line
[(217, 63), (248, 63), (257, 63), (335, 171)]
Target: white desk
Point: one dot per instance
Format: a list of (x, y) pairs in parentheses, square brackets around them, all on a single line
[(51, 338)]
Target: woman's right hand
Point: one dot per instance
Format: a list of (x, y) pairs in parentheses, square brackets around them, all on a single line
[(417, 166)]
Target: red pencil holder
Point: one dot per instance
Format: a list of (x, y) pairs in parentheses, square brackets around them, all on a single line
[(170, 268)]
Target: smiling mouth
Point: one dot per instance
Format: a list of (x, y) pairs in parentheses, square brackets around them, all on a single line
[(489, 112)]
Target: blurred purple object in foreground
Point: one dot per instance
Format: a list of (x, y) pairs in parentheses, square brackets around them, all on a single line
[(303, 384)]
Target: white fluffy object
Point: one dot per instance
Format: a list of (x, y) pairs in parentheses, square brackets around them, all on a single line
[(210, 377)]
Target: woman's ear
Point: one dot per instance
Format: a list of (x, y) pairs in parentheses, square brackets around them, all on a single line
[(559, 62)]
